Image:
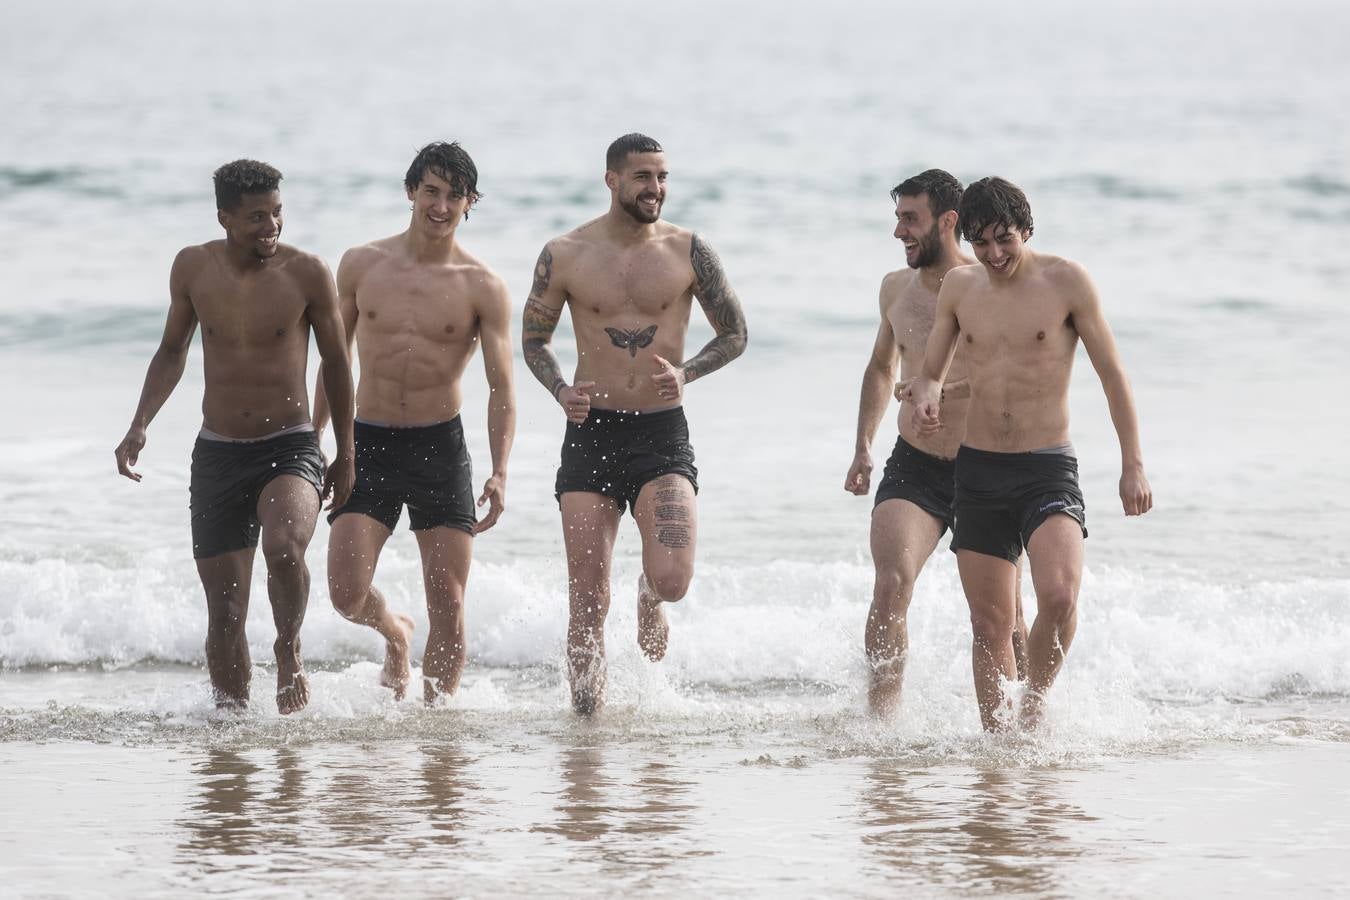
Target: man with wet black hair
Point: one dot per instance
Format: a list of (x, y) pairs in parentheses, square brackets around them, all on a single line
[(418, 305), (256, 466), (1018, 317), (913, 506), (629, 280)]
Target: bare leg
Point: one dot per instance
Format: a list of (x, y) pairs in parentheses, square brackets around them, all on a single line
[(225, 579), (1020, 631), (288, 509), (1056, 551), (590, 522), (446, 554), (990, 586), (667, 518), (354, 547), (903, 537)]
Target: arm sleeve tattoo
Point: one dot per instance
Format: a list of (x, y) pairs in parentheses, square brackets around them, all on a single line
[(722, 308), (537, 324)]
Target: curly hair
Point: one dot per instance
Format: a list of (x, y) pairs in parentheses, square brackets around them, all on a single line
[(994, 201), (243, 176), (448, 161)]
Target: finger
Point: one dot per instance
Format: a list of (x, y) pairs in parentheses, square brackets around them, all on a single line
[(660, 361), (583, 387)]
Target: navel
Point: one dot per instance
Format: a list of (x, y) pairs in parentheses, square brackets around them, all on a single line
[(1040, 335), (370, 314), (280, 332), (449, 329), (970, 338)]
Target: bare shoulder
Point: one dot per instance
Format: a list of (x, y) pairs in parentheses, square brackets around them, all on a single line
[(361, 258), (488, 287), (308, 268), (893, 284), (191, 260), (960, 280), (1069, 280)]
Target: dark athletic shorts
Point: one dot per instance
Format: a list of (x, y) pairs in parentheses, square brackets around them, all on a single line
[(425, 466), (227, 479), (1001, 498), (927, 481), (616, 453)]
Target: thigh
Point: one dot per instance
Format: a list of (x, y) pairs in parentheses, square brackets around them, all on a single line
[(354, 546), (446, 555), (288, 506), (227, 574), (590, 523), (1055, 549), (990, 584), (903, 536), (666, 511)]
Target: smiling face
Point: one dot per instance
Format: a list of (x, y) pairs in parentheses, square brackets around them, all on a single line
[(999, 249), (640, 187), (917, 228), (254, 224), (438, 205)]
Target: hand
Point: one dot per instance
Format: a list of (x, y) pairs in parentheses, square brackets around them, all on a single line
[(927, 417), (494, 493), (338, 479), (576, 400), (669, 380), (902, 391), (1135, 494), (859, 478), (129, 451), (956, 390)]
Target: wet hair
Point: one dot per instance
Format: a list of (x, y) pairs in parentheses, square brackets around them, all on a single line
[(448, 161), (243, 176), (943, 190), (618, 152), (994, 201)]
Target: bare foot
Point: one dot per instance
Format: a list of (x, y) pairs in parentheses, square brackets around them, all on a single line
[(292, 685), (653, 630), (1033, 708), (587, 675), (435, 688), (883, 691), (397, 671)]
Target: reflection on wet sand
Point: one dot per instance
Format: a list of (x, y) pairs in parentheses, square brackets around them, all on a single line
[(447, 797), (997, 831), (635, 826)]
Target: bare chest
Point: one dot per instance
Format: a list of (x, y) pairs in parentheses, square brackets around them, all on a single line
[(1018, 330), (257, 312), (646, 285), (911, 316), (398, 305)]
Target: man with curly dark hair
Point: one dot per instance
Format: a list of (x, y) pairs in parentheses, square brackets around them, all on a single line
[(256, 467), (1018, 317)]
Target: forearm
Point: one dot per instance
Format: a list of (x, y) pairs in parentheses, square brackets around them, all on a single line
[(1120, 400), (544, 364), (872, 403), (335, 389), (162, 376), (321, 415), (501, 428), (714, 355)]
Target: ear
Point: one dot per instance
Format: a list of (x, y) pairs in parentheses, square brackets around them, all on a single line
[(611, 179), (222, 216), (947, 222), (411, 193)]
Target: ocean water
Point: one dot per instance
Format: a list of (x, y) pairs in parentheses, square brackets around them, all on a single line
[(1192, 155)]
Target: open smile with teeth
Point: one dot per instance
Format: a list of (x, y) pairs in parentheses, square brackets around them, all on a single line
[(1000, 265)]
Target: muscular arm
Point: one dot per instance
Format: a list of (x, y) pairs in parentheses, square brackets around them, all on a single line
[(347, 311), (494, 329), (166, 366), (1100, 345), (542, 311), (335, 370), (722, 308)]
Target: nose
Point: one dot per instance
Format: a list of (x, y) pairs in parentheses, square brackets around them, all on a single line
[(899, 230)]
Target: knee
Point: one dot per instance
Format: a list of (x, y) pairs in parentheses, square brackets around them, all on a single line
[(670, 584), (893, 589), (991, 626), (283, 551), (227, 612), (1058, 604), (348, 596)]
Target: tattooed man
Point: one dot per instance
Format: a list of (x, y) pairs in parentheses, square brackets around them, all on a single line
[(628, 279)]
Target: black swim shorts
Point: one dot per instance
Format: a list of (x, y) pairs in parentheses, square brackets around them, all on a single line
[(1001, 498), (426, 467), (927, 481), (615, 453), (227, 479)]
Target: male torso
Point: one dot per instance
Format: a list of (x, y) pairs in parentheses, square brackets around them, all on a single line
[(1019, 340), (255, 339), (629, 302), (416, 330), (910, 309)]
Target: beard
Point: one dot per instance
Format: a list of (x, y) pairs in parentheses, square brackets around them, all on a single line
[(930, 249), (640, 213)]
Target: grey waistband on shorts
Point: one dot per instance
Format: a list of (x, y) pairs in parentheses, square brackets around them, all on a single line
[(207, 434), (1062, 449), (375, 424)]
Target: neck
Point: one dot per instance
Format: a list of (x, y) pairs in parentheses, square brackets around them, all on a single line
[(625, 228), (428, 249), (242, 258), (951, 258)]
